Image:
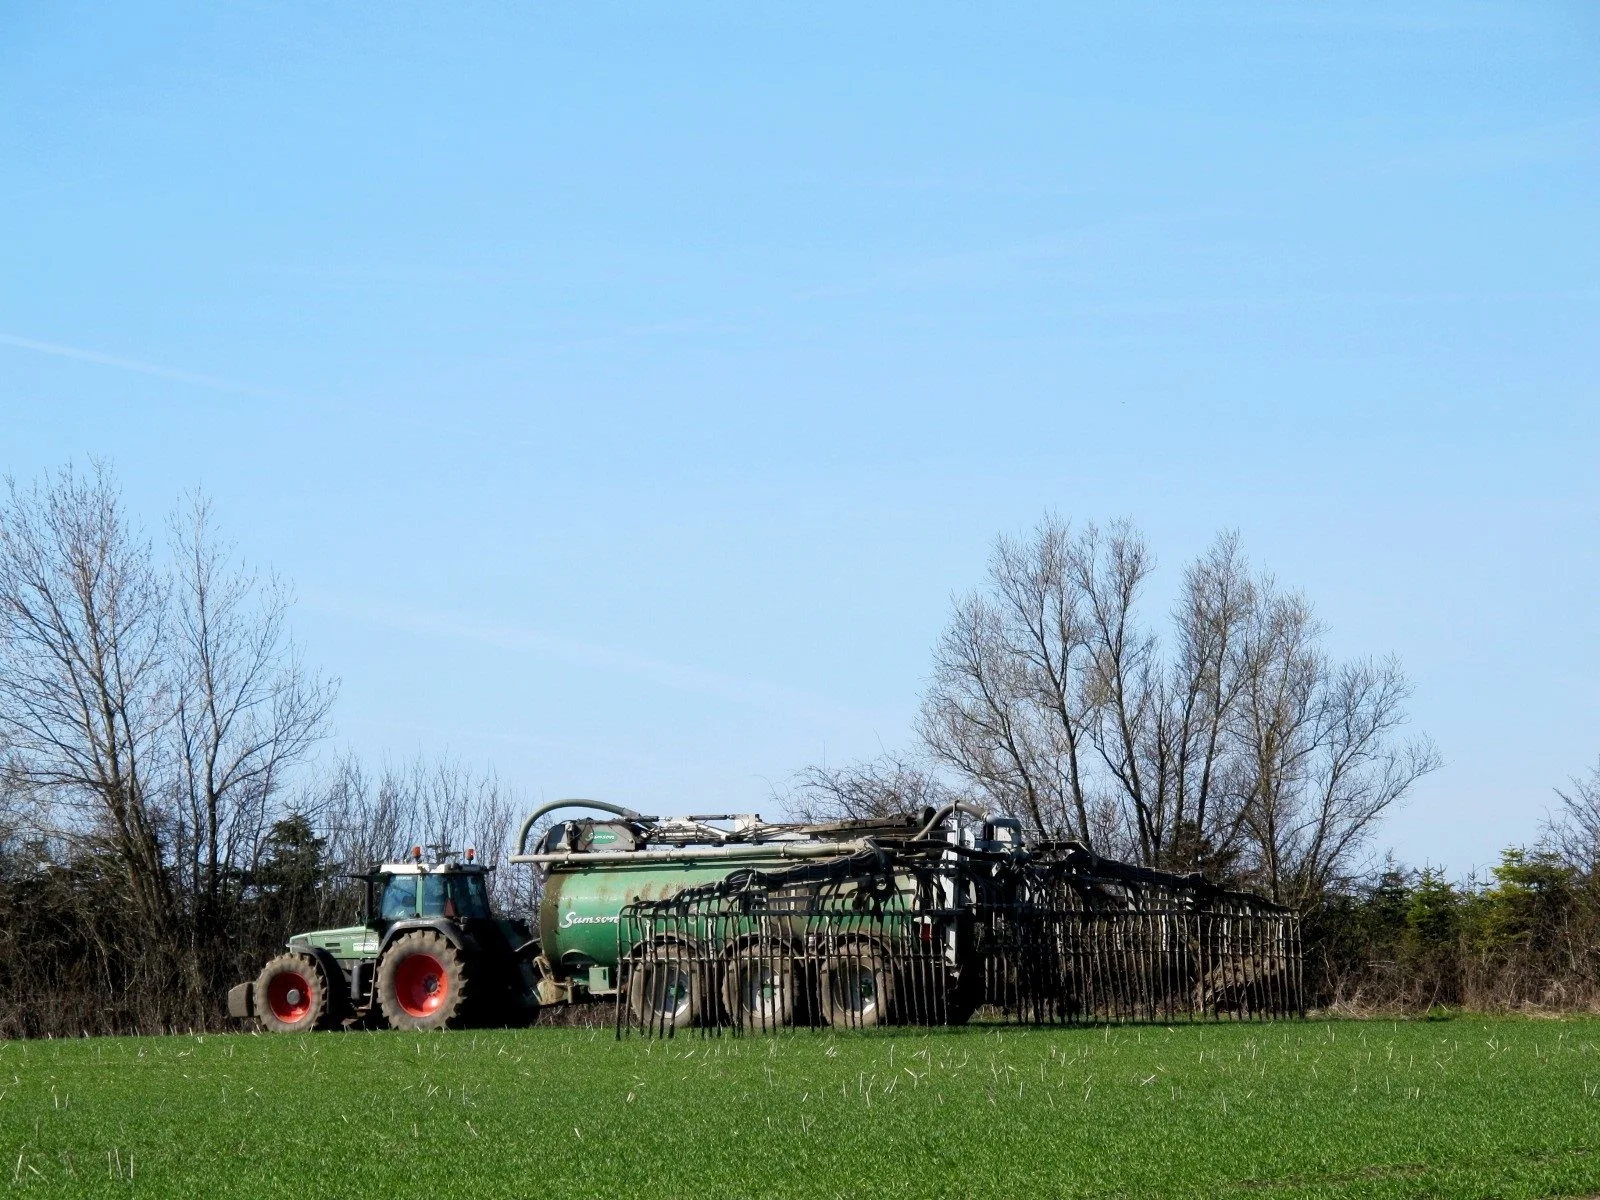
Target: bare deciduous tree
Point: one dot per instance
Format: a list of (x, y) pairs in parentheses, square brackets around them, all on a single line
[(1016, 686), (1054, 700), (245, 711), (150, 707), (439, 805), (881, 787), (85, 694), (1235, 746), (1320, 759), (1575, 830), (1200, 697)]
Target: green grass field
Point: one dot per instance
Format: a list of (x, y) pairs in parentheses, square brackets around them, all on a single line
[(1468, 1107)]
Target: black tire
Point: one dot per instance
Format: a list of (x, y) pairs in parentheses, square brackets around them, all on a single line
[(665, 989), (964, 992), (519, 998), (758, 987), (856, 986), (424, 984), (294, 996)]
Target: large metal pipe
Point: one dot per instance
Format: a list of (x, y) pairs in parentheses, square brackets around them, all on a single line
[(778, 850), (972, 810), (627, 814)]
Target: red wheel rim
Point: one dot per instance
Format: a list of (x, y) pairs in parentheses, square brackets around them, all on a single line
[(420, 984), (289, 996)]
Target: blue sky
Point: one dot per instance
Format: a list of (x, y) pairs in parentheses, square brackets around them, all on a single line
[(627, 389)]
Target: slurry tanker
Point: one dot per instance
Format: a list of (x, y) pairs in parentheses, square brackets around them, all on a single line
[(730, 922)]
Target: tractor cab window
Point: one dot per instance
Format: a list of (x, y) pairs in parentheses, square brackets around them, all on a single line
[(399, 897), (472, 896), (457, 897)]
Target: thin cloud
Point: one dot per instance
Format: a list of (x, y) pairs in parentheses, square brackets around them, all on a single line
[(234, 387)]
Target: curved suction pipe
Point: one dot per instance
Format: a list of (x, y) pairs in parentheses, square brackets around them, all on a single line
[(627, 814), (972, 810)]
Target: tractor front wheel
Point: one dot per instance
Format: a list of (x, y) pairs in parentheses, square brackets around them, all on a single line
[(293, 997), (423, 983)]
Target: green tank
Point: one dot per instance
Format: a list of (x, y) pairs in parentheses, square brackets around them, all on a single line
[(578, 915)]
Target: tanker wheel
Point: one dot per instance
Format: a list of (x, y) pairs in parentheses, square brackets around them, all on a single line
[(423, 983), (758, 987), (856, 986), (293, 997), (664, 988)]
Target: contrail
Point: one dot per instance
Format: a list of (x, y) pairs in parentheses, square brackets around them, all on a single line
[(79, 354)]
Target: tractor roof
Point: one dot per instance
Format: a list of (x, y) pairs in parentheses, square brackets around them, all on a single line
[(424, 868)]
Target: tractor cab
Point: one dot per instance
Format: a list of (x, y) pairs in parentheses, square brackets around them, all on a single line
[(409, 891)]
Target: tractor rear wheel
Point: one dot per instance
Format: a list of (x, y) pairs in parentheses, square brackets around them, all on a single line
[(664, 988), (423, 983), (856, 986), (292, 996), (758, 987)]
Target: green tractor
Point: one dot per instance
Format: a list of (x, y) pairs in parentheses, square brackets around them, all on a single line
[(430, 954)]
